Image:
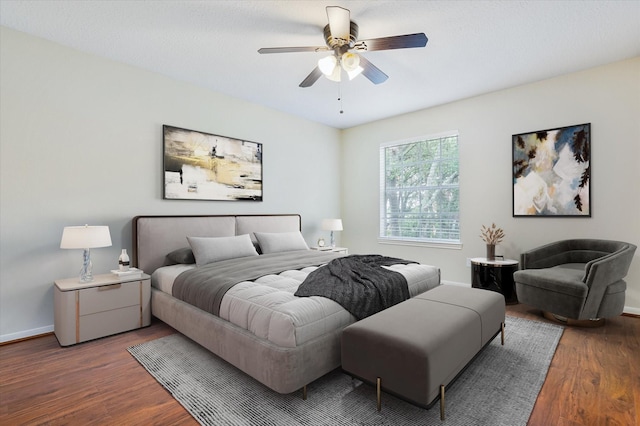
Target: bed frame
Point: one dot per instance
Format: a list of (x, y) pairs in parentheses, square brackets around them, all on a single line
[(284, 370)]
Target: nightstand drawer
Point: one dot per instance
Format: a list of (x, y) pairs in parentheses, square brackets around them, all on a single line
[(109, 297), (109, 322)]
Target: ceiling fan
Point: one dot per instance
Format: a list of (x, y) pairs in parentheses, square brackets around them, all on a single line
[(341, 37)]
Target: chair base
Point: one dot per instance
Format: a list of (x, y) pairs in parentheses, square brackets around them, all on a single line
[(588, 323)]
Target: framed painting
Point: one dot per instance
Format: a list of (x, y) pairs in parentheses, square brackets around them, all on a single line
[(552, 172), (202, 166)]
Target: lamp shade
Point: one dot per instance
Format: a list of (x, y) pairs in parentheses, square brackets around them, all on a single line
[(332, 224), (327, 64), (330, 67), (83, 237), (350, 61)]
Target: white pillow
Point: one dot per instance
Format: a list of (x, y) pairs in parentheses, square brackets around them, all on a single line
[(275, 242), (214, 249)]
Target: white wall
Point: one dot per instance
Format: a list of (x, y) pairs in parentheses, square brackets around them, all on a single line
[(608, 97), (81, 142)]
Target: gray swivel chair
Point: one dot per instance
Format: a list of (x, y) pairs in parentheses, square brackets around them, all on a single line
[(575, 281)]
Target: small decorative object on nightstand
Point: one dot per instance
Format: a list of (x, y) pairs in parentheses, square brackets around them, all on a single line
[(123, 261), (130, 273), (107, 305), (492, 236)]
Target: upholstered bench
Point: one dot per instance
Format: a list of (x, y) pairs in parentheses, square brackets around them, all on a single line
[(416, 348)]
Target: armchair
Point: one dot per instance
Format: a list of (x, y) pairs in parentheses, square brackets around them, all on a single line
[(578, 279)]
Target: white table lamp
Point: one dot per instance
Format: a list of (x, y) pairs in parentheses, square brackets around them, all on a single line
[(85, 237), (332, 225)]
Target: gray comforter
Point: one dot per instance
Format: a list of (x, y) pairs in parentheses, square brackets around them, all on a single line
[(205, 286), (359, 283)]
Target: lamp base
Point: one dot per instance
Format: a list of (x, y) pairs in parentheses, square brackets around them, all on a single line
[(86, 274)]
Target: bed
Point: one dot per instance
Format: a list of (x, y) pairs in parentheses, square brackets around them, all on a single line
[(285, 342)]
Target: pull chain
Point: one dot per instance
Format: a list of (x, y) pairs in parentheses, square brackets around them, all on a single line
[(340, 97)]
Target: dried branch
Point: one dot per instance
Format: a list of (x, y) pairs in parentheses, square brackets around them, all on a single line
[(492, 235)]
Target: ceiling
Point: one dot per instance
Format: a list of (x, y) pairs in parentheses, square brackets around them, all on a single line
[(474, 47)]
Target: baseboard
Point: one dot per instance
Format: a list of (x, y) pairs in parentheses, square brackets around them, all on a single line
[(631, 311), (21, 335)]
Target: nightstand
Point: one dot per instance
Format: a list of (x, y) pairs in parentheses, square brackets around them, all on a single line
[(342, 250), (495, 275), (107, 305)]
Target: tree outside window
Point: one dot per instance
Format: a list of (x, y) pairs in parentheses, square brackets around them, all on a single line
[(419, 190)]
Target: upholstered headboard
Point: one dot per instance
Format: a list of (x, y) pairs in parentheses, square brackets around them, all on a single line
[(156, 236)]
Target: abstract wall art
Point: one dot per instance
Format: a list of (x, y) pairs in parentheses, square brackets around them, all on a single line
[(552, 172), (202, 166)]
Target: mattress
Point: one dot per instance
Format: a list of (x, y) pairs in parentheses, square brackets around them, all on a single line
[(268, 308)]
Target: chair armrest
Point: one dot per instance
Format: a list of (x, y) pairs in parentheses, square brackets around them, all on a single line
[(611, 268)]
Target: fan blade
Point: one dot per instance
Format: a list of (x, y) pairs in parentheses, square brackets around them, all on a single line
[(293, 49), (372, 72), (394, 42), (311, 78), (339, 22)]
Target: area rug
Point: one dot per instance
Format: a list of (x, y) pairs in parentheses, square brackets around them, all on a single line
[(499, 387)]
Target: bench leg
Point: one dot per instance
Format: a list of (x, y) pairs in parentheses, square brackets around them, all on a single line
[(304, 393), (442, 402), (502, 333), (378, 393)]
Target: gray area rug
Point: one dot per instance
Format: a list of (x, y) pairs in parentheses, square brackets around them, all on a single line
[(499, 387)]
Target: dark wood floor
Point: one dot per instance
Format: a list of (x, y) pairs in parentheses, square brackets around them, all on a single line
[(594, 379)]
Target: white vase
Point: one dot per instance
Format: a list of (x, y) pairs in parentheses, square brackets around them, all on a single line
[(123, 261)]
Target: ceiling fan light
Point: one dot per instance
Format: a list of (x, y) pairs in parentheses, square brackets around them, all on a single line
[(328, 64), (350, 61), (356, 72), (335, 75)]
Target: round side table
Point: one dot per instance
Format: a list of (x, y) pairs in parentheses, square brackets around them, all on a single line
[(495, 275)]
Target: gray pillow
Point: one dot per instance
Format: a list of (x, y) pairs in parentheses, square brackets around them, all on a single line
[(182, 255), (275, 242), (214, 249)]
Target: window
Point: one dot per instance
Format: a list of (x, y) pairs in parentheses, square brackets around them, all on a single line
[(419, 191)]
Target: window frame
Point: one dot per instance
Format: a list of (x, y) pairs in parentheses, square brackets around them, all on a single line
[(382, 212)]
